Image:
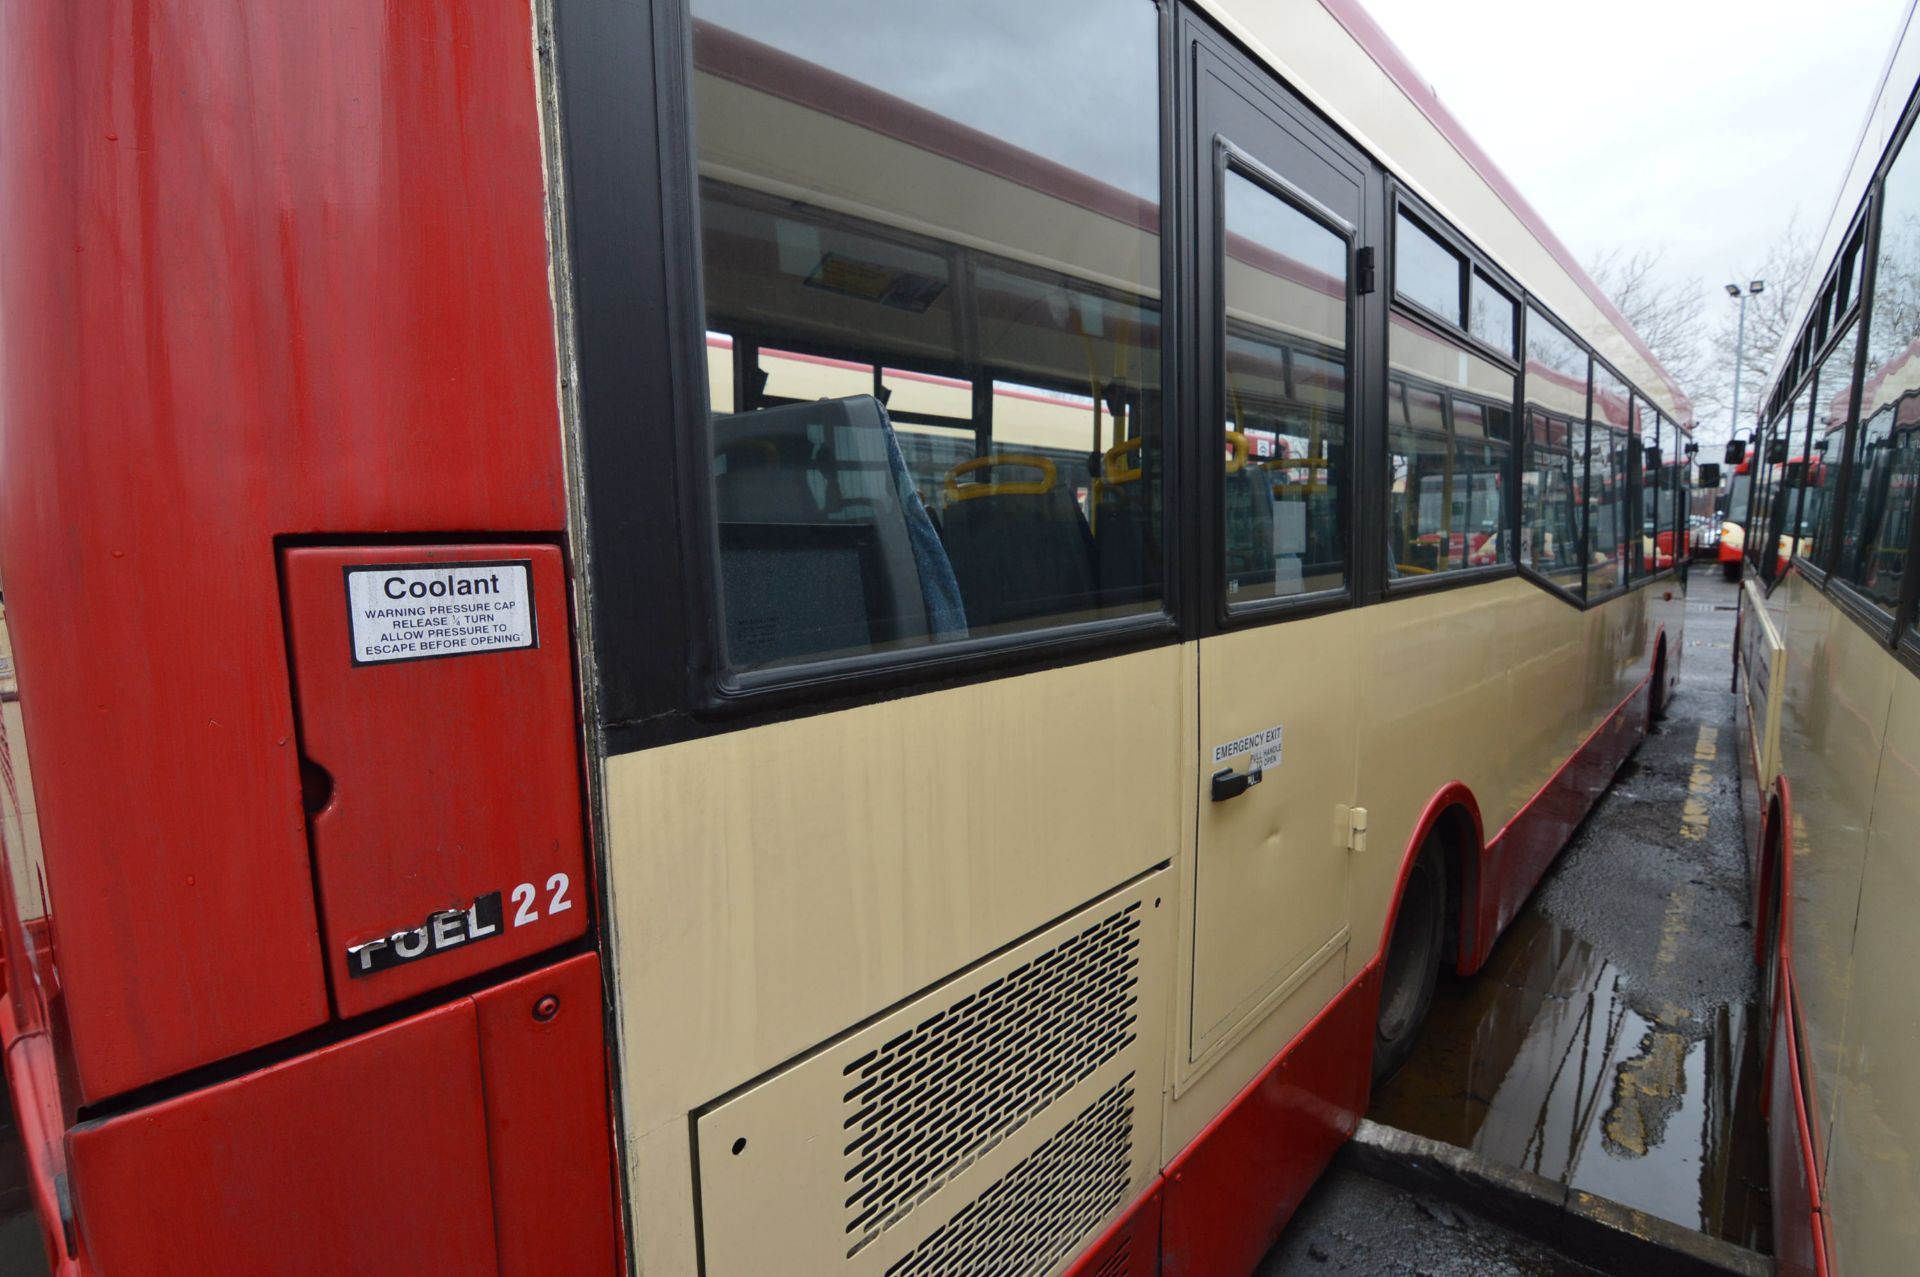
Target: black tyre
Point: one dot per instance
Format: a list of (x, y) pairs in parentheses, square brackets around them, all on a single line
[(1659, 707), (1413, 963), (1772, 924), (1731, 571)]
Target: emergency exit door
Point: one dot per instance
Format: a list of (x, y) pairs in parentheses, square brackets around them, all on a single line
[(1279, 217)]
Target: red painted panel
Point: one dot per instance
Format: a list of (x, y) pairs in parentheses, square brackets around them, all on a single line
[(454, 777), (1131, 1246), (270, 269), (367, 1157), (548, 1121), (1798, 1247), (31, 1077), (1231, 1191)]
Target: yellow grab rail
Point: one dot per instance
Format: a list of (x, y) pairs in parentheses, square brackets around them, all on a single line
[(1015, 487), (1238, 461), (1113, 469)]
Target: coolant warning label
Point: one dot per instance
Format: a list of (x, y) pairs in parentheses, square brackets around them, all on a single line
[(420, 611)]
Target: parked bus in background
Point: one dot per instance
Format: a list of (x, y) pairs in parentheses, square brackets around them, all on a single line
[(745, 637), (1733, 516), (1829, 669)]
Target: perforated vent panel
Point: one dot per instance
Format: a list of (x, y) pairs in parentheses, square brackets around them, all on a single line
[(930, 1101), (990, 1126), (1031, 1218)]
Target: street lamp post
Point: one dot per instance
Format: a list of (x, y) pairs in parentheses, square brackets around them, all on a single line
[(1739, 346)]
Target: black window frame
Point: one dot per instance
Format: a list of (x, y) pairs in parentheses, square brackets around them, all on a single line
[(1627, 581), (1851, 278), (1227, 158)]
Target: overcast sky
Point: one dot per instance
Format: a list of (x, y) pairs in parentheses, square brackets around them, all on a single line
[(1698, 125)]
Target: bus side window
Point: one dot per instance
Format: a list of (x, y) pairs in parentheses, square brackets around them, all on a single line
[(1284, 451), (1447, 503), (1553, 470), (1885, 459), (934, 368)]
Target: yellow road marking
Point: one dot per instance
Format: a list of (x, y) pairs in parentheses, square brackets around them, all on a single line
[(1650, 1084)]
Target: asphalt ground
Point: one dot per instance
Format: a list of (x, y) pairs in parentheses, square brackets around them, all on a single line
[(1355, 1223), (1607, 1047)]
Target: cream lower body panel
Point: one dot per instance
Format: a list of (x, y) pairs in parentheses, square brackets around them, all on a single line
[(770, 890), (783, 894)]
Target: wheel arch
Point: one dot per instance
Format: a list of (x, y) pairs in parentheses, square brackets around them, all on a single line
[(1454, 814)]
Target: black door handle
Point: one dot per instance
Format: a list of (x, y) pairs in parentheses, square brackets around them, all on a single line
[(1227, 783)]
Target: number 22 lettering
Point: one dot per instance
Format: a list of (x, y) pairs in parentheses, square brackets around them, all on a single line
[(557, 902)]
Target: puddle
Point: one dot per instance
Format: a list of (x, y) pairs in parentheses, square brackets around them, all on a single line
[(1545, 1062)]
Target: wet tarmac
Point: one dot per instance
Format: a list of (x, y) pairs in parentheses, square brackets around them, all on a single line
[(1608, 1043), (1355, 1223)]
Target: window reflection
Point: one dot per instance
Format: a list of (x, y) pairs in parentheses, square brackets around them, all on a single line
[(1490, 314), (1885, 464), (1553, 475), (1284, 378), (931, 272), (1448, 435), (1425, 270)]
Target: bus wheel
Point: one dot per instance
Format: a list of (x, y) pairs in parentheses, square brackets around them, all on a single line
[(1413, 963), (1773, 922), (1657, 711), (1731, 571)]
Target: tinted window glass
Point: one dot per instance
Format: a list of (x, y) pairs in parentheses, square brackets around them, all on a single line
[(1490, 314), (1777, 496), (1826, 441), (1425, 270), (1553, 475), (1739, 491), (1285, 454), (1608, 475), (1886, 449), (937, 400), (1448, 453)]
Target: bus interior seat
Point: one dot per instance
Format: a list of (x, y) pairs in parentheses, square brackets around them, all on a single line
[(819, 553), (1249, 523), (1020, 548), (1127, 558)]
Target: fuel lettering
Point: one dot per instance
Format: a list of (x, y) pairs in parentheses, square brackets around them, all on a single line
[(444, 930)]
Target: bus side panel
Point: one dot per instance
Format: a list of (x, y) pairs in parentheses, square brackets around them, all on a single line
[(1796, 1246), (1520, 854), (1228, 1195), (370, 1156), (543, 1061), (1837, 684), (270, 271), (1870, 1181)]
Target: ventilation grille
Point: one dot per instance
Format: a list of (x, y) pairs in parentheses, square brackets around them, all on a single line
[(1029, 1220), (930, 1102), (1120, 1262)]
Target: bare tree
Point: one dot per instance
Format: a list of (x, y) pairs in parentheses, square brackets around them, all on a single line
[(1665, 311)]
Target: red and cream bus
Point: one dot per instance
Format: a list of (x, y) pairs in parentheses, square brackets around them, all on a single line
[(750, 637), (1732, 551), (1829, 664)]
